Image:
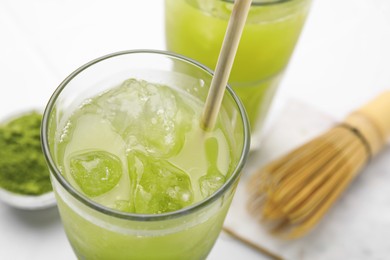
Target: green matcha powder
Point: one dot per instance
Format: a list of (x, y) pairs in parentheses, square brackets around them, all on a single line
[(23, 168)]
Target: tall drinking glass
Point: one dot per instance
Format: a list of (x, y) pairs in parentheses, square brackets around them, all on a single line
[(196, 28), (164, 195)]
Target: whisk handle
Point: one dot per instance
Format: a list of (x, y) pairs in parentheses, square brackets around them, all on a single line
[(373, 121)]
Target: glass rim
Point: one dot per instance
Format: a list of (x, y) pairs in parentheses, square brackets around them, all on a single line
[(134, 216), (263, 2)]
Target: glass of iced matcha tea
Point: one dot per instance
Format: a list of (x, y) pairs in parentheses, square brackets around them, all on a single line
[(135, 176), (196, 28)]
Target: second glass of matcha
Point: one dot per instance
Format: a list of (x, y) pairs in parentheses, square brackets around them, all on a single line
[(196, 28)]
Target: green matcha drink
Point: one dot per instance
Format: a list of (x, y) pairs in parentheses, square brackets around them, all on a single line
[(134, 174), (196, 28)]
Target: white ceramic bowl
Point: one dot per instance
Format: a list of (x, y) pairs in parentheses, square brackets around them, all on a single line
[(21, 201), (28, 202)]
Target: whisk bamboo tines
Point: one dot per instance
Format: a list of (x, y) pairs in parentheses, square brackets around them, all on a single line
[(292, 193)]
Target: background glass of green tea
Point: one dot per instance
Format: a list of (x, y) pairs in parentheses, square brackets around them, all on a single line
[(196, 28)]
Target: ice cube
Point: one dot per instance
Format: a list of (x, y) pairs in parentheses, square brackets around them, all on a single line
[(151, 117), (95, 172), (158, 185), (210, 183), (122, 105), (213, 179), (163, 122)]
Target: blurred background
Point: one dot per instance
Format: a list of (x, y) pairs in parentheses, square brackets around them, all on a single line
[(341, 61)]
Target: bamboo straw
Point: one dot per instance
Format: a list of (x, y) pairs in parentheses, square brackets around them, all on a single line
[(225, 63)]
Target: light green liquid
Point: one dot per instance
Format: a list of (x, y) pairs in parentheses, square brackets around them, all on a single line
[(196, 28), (138, 148)]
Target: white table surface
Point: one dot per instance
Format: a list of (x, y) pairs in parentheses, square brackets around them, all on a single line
[(342, 60)]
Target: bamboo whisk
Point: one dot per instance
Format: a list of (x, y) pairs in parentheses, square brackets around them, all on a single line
[(293, 193)]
